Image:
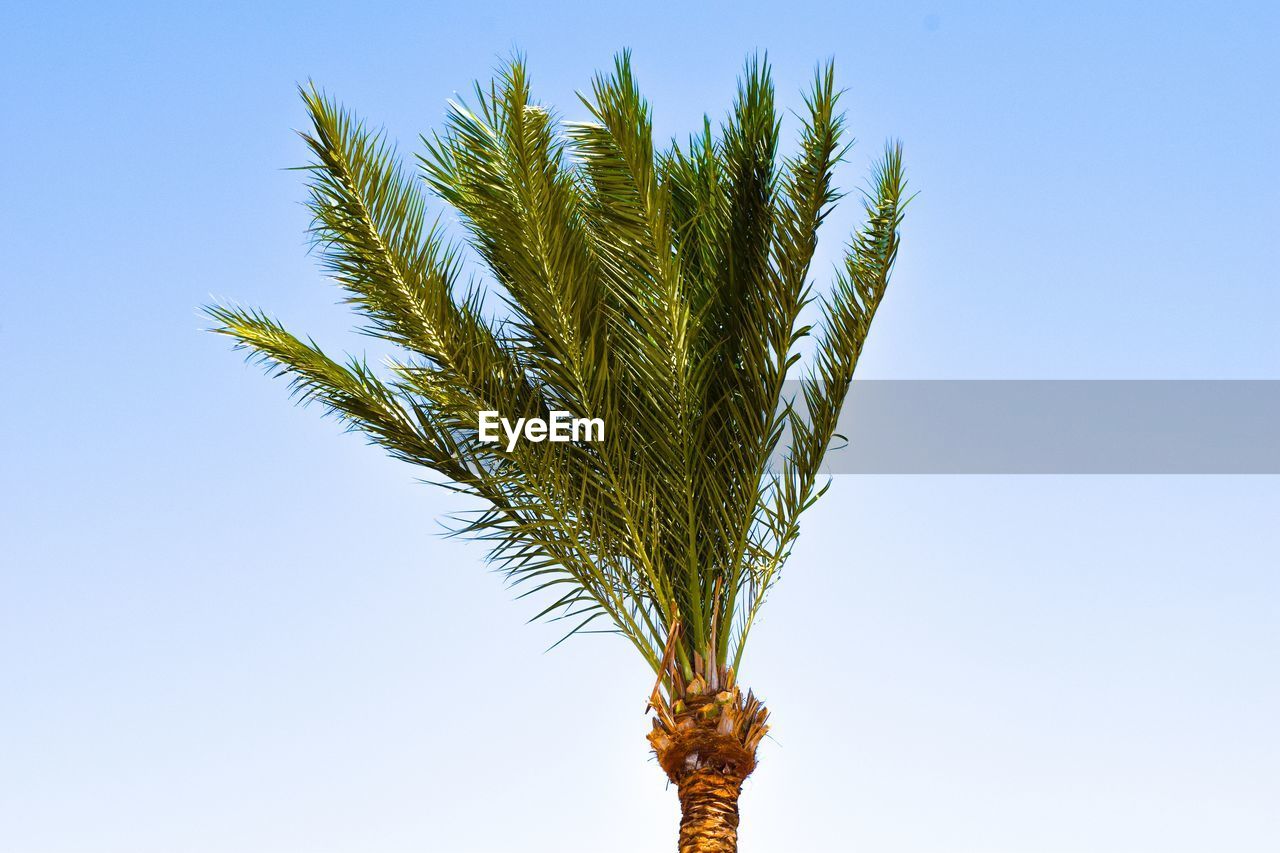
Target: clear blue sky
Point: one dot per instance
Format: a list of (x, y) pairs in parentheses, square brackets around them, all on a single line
[(225, 627)]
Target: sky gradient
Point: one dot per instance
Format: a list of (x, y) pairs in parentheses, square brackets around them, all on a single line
[(226, 627)]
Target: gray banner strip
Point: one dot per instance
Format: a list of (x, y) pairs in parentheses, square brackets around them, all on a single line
[(1059, 427)]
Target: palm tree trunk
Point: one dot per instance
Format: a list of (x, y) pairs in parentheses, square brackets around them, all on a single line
[(709, 812), (706, 743)]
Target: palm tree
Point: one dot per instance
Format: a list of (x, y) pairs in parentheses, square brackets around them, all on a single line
[(659, 290)]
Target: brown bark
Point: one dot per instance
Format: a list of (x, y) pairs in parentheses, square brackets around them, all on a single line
[(709, 812), (706, 743)]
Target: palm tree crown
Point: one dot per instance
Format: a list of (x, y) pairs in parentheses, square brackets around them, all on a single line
[(658, 289)]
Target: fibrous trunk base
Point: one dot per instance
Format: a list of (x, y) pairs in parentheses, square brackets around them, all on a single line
[(706, 742), (709, 812)]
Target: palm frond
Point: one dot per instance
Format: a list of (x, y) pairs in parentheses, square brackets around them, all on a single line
[(657, 289)]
